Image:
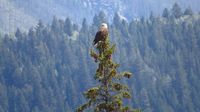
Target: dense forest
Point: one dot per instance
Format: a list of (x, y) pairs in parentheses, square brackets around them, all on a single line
[(47, 68)]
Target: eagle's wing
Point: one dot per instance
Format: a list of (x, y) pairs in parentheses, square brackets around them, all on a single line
[(97, 37), (101, 35)]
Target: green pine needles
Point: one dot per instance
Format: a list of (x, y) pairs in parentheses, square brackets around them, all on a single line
[(108, 95)]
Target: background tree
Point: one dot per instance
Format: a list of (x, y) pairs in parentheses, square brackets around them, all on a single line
[(18, 33), (100, 18), (108, 95), (68, 27), (176, 11), (188, 11), (117, 21), (165, 13)]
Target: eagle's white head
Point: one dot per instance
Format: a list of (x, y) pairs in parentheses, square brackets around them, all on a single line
[(104, 26)]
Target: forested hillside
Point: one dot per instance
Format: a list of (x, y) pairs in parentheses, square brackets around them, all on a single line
[(48, 68), (12, 18)]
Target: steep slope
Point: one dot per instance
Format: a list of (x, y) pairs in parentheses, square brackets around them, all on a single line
[(138, 8), (87, 8), (46, 71), (12, 17), (79, 9)]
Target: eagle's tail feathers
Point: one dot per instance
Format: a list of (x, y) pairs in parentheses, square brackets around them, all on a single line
[(95, 45)]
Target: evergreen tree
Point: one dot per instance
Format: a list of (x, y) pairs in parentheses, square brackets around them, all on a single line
[(125, 28), (108, 95), (18, 33), (117, 20), (188, 11), (100, 18), (176, 11), (40, 25), (55, 25), (165, 13), (75, 27), (68, 27), (151, 17), (84, 26)]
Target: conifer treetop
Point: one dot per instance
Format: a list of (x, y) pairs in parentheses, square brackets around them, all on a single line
[(108, 95)]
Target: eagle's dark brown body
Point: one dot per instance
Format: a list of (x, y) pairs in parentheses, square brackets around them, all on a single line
[(101, 35)]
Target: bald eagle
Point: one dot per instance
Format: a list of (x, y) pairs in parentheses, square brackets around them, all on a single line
[(102, 34)]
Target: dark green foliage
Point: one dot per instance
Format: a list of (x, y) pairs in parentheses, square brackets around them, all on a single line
[(18, 33), (188, 11), (176, 11), (84, 28), (68, 27), (151, 17), (55, 25), (45, 71), (166, 13), (100, 18), (117, 20)]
